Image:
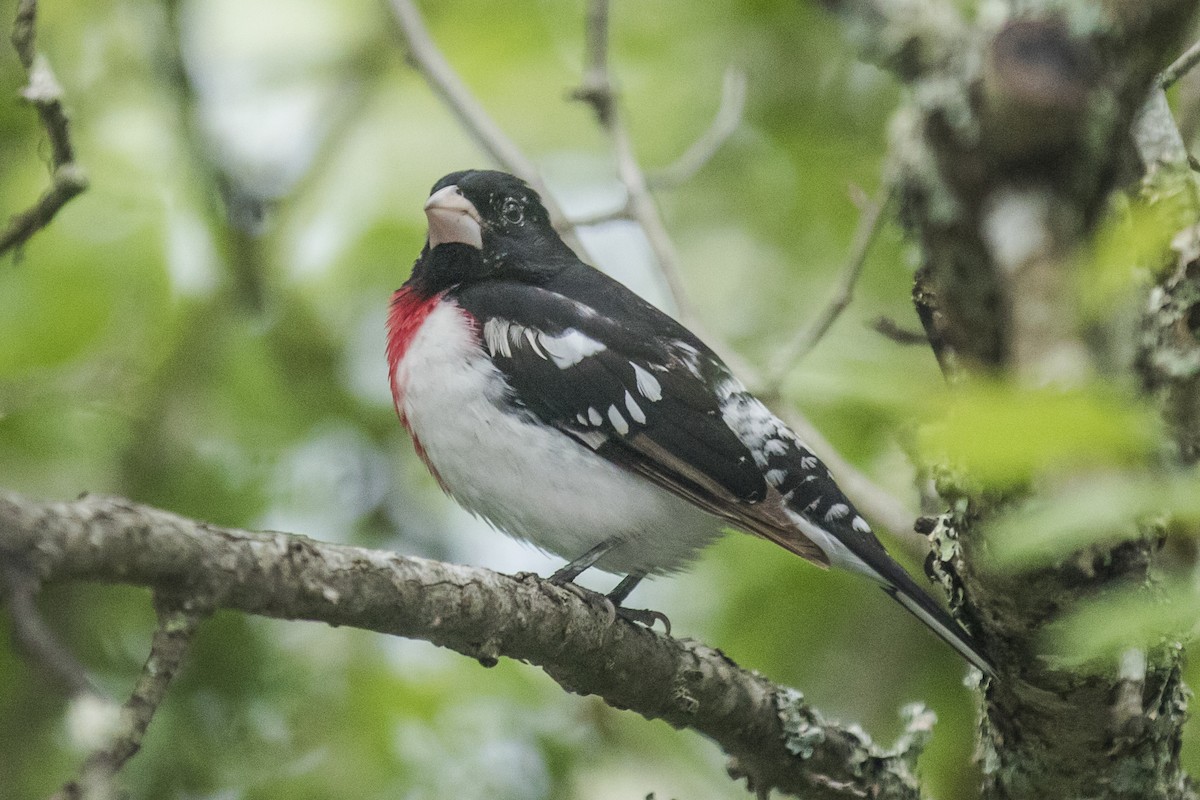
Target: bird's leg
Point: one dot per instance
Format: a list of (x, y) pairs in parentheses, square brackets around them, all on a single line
[(643, 616), (574, 569), (627, 585), (565, 577)]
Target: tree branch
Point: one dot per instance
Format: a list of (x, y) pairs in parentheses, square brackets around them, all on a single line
[(43, 93), (597, 91), (807, 337), (172, 638), (491, 138), (775, 739), (37, 639), (724, 123)]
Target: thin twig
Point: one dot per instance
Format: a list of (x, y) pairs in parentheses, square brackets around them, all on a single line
[(445, 82), (611, 215), (596, 90), (172, 638), (35, 637), (1180, 66), (43, 93), (890, 329), (726, 121), (807, 337)]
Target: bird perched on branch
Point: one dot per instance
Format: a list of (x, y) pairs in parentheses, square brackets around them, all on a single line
[(567, 411)]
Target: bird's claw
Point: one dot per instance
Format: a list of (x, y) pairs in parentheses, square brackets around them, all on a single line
[(644, 616), (640, 616)]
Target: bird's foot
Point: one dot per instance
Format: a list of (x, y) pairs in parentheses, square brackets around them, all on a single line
[(644, 616), (587, 596)]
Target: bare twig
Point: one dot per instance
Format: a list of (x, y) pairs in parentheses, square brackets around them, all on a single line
[(597, 91), (889, 328), (44, 93), (172, 637), (445, 82), (35, 637), (726, 121), (807, 337), (611, 215), (1180, 66), (761, 725)]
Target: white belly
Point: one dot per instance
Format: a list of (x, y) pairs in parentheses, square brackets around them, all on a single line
[(532, 482)]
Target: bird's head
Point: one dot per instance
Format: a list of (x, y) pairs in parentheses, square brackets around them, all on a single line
[(500, 218)]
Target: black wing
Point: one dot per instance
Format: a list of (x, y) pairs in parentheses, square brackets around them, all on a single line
[(640, 392)]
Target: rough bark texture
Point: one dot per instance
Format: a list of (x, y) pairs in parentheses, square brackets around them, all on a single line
[(775, 739), (1017, 130)]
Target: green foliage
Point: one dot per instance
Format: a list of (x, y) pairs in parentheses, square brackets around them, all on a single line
[(1090, 509), (1004, 435)]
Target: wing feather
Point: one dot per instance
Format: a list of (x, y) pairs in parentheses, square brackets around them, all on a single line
[(643, 401)]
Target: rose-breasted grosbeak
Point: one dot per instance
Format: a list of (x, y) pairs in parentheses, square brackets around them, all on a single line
[(558, 405)]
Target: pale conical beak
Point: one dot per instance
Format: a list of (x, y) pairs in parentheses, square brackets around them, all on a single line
[(453, 218)]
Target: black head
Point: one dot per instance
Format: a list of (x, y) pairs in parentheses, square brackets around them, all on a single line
[(487, 224)]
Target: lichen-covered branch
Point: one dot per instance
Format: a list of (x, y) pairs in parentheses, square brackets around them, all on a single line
[(43, 93), (773, 736), (1015, 132)]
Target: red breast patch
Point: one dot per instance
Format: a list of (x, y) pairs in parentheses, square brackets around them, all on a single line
[(406, 316)]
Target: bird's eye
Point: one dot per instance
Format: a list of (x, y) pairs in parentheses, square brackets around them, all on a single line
[(512, 212)]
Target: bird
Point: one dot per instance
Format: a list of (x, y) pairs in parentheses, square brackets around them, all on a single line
[(564, 409)]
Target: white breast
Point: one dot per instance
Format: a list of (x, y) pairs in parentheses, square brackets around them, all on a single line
[(528, 480)]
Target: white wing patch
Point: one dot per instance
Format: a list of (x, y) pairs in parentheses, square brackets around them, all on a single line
[(570, 347), (618, 422), (634, 409), (647, 384), (495, 337), (836, 511), (502, 336)]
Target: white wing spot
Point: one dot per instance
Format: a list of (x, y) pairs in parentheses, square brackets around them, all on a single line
[(617, 420), (634, 409), (775, 447), (775, 476), (594, 416), (495, 336), (809, 462), (570, 347), (859, 524), (532, 337), (836, 511), (647, 384), (690, 357), (583, 420)]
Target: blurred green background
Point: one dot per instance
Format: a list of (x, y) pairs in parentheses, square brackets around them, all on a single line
[(202, 330)]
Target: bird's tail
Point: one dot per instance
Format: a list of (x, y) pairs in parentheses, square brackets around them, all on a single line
[(904, 590)]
